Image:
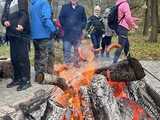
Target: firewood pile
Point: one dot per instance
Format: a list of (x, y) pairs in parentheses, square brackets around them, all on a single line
[(117, 92), (5, 68)]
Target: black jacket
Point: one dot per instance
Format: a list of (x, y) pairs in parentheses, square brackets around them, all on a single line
[(96, 23), (16, 16)]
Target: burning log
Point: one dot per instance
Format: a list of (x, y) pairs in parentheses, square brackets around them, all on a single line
[(104, 104), (140, 95), (57, 81), (6, 69), (86, 104), (126, 70), (40, 107), (154, 95)]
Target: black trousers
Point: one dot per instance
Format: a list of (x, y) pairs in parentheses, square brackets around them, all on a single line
[(19, 52)]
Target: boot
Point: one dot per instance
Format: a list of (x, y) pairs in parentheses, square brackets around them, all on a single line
[(24, 84), (12, 84)]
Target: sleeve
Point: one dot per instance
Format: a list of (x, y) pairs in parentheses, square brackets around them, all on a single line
[(5, 13), (128, 17), (47, 17), (89, 23), (23, 12), (84, 19)]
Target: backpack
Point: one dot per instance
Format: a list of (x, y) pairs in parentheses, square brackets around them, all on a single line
[(113, 17)]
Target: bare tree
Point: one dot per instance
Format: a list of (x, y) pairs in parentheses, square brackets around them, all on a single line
[(154, 21), (147, 18)]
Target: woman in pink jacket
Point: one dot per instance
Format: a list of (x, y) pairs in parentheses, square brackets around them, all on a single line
[(126, 23)]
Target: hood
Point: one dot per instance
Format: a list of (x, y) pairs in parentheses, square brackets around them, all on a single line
[(119, 1)]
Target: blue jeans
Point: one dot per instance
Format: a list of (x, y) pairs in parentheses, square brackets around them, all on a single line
[(96, 38), (67, 50), (123, 41)]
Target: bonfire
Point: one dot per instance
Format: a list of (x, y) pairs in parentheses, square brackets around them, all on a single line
[(96, 92)]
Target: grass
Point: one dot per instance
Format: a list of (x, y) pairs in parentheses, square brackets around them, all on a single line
[(139, 48)]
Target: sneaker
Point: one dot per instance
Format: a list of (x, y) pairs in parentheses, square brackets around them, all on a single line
[(24, 86), (39, 77), (12, 84)]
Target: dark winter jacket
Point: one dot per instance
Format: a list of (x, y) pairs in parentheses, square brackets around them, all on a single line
[(96, 24), (73, 21), (16, 12)]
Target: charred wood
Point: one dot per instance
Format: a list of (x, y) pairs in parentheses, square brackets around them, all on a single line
[(141, 96), (154, 95), (86, 104), (6, 69), (103, 102), (126, 70)]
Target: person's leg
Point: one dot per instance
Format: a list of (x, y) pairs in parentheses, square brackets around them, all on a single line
[(41, 59), (43, 55), (103, 45), (67, 51), (51, 57), (96, 42), (126, 47), (76, 57), (23, 62), (122, 36), (107, 43), (13, 54), (36, 56)]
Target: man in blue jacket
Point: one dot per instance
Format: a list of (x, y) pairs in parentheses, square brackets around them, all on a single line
[(73, 20), (42, 28)]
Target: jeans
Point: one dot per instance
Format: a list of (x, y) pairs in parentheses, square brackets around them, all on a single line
[(19, 52), (96, 39), (67, 49), (123, 41)]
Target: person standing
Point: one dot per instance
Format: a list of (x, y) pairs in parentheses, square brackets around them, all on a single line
[(126, 23), (42, 28), (107, 36), (73, 20), (16, 20), (95, 23)]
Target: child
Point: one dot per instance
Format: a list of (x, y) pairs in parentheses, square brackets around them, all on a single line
[(106, 38), (96, 28)]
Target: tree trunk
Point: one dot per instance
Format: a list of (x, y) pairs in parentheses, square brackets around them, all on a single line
[(154, 21), (147, 18)]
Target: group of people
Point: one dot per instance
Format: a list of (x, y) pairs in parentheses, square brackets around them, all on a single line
[(33, 18)]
